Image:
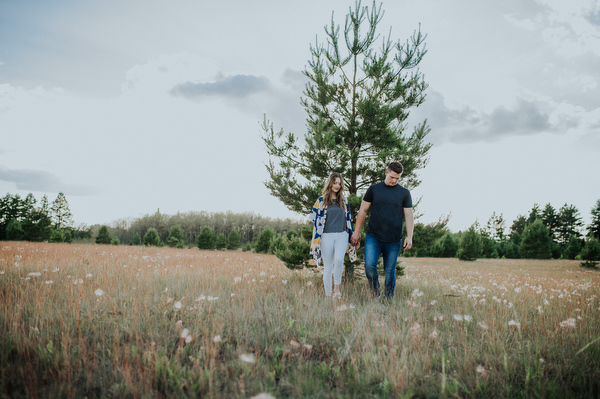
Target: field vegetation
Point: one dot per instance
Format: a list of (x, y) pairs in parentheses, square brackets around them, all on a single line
[(130, 321)]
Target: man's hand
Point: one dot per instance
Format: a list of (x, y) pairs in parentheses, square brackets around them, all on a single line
[(407, 243), (355, 239)]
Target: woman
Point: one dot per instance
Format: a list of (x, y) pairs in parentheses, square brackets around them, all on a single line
[(332, 226)]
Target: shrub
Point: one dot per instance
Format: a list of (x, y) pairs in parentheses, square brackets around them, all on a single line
[(294, 253), (263, 242), (115, 241), (591, 253), (57, 236), (220, 241), (103, 236), (233, 239), (151, 238), (470, 245), (206, 239)]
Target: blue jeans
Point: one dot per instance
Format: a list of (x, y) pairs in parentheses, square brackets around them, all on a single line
[(390, 252)]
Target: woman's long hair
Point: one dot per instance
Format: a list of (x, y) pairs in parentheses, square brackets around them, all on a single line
[(327, 190)]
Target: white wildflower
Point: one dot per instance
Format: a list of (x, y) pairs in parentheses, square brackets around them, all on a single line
[(99, 292), (49, 282), (178, 305), (483, 325), (568, 323), (248, 358), (458, 317), (514, 323), (34, 274), (217, 338)]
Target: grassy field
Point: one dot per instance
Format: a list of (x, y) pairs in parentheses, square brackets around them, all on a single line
[(115, 321)]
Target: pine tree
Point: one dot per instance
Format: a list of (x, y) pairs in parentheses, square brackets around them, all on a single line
[(103, 236), (151, 238), (233, 239), (470, 245), (358, 98), (175, 236), (61, 214), (263, 242), (206, 239), (550, 220), (569, 223), (536, 242), (594, 227), (220, 241)]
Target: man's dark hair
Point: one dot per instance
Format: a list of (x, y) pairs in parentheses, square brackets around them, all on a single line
[(396, 167)]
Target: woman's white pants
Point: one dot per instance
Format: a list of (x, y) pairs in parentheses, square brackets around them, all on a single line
[(333, 249)]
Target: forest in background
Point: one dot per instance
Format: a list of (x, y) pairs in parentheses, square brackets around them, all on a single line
[(543, 233)]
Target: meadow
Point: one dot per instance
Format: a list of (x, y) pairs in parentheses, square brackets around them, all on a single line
[(117, 321)]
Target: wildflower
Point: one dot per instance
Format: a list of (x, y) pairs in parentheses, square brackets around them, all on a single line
[(309, 283), (248, 358), (263, 396), (341, 308), (417, 293), (518, 289), (414, 330), (184, 333), (80, 281), (1, 271), (433, 302), (539, 308), (458, 317), (217, 338), (89, 275), (232, 294), (433, 335), (201, 298), (514, 323), (467, 318), (483, 325), (99, 292), (546, 302), (34, 274), (482, 300), (307, 346), (212, 298), (55, 270), (295, 344), (178, 323), (284, 282), (178, 305), (568, 323), (49, 282), (481, 370), (237, 280)]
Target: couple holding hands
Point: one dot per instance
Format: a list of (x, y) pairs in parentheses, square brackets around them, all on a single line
[(333, 236)]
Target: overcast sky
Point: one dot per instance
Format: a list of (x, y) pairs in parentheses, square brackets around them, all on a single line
[(132, 106)]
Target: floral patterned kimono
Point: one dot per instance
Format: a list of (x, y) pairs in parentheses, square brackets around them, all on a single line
[(318, 215)]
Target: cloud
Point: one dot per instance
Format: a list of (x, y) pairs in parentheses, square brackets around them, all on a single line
[(593, 17), (35, 180), (234, 87), (468, 125)]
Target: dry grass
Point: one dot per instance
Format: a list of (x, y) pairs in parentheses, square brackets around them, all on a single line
[(116, 321)]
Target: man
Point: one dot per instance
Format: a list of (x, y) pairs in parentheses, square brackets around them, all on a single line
[(391, 205)]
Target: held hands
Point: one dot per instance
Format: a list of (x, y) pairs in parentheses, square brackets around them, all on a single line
[(355, 239)]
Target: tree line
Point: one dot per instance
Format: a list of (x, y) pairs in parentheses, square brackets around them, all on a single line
[(545, 233), (32, 220)]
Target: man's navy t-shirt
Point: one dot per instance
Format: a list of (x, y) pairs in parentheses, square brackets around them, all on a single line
[(387, 211)]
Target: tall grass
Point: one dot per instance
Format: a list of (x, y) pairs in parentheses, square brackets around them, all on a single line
[(115, 321)]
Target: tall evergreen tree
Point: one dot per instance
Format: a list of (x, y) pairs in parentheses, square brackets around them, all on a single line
[(358, 97), (594, 227), (569, 223), (534, 214), (536, 243), (61, 214), (550, 220), (470, 245)]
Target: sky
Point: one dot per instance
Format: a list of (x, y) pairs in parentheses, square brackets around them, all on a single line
[(129, 107)]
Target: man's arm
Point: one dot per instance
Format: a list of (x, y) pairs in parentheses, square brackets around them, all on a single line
[(410, 228), (360, 219)]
